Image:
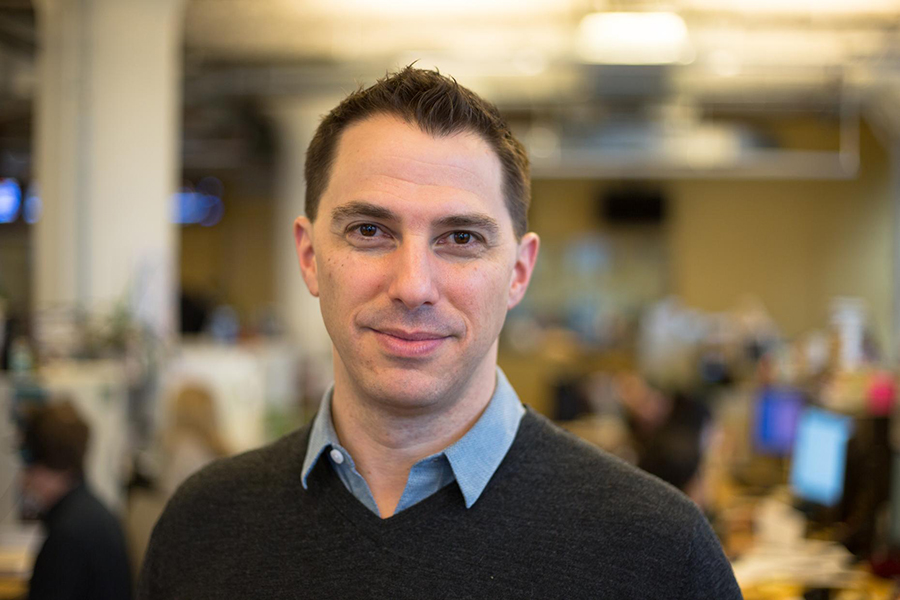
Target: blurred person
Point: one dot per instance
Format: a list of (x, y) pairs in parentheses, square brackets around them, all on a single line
[(867, 484), (83, 556), (192, 439), (422, 474), (674, 451), (646, 408), (674, 456)]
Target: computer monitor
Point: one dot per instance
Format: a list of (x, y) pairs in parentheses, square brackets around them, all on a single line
[(819, 461), (775, 425)]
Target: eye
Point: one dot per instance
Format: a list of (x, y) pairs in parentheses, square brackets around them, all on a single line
[(462, 237), (369, 236), (462, 243), (367, 230)]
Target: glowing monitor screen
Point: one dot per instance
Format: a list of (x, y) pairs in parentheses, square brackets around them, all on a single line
[(777, 414), (820, 456)]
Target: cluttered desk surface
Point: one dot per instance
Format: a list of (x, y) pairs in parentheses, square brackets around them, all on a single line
[(12, 588), (774, 559), (18, 547)]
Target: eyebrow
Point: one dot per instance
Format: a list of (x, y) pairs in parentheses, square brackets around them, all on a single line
[(474, 221), (363, 209), (360, 208)]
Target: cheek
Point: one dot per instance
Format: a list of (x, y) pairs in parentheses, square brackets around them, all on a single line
[(345, 282), (482, 293)]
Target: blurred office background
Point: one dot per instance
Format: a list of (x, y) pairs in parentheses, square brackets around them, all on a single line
[(716, 184)]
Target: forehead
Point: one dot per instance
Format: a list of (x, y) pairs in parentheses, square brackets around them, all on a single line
[(388, 161)]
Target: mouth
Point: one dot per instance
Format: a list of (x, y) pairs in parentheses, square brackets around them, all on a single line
[(410, 344)]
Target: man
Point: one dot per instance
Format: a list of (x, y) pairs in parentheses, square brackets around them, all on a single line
[(422, 476), (84, 555)]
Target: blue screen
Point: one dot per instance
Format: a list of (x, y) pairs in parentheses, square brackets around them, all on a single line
[(820, 456), (777, 414)]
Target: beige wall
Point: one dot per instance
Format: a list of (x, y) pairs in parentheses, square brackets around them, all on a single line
[(232, 261), (794, 244), (15, 266)]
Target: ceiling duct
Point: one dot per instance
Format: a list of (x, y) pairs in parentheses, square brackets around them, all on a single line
[(672, 145)]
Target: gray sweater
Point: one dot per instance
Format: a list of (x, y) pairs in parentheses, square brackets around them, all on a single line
[(559, 519)]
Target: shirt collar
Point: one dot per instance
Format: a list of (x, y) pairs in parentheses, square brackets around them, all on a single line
[(474, 458), (321, 436)]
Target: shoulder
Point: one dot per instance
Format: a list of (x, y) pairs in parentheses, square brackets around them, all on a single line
[(614, 513), (81, 514), (244, 476), (84, 527), (571, 472), (238, 488), (215, 508)]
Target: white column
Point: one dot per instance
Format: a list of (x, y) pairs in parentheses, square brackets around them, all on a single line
[(107, 155), (297, 121)]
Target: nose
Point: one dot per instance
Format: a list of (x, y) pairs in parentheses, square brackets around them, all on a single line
[(413, 280)]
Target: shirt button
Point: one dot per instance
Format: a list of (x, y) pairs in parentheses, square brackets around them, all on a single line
[(336, 456)]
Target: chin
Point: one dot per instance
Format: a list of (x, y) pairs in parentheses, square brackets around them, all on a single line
[(409, 388)]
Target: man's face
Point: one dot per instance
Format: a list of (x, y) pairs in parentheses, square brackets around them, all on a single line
[(415, 261)]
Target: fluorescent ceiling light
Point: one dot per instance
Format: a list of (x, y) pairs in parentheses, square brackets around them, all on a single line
[(417, 8), (651, 38), (724, 63), (798, 7)]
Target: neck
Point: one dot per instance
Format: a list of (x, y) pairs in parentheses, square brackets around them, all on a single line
[(55, 489), (385, 444)]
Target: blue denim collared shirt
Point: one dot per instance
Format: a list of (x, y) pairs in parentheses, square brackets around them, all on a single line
[(471, 461)]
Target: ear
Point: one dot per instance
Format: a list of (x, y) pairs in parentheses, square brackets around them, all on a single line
[(526, 257), (306, 254)]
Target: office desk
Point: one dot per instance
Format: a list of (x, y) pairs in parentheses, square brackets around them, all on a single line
[(12, 588), (19, 544), (786, 572), (868, 588)]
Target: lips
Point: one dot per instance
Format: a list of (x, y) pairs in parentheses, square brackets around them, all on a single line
[(410, 344), (412, 336)]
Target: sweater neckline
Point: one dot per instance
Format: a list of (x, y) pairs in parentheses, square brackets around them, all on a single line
[(326, 484), (327, 488)]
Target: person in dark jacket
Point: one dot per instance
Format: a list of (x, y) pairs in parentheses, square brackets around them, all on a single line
[(84, 555)]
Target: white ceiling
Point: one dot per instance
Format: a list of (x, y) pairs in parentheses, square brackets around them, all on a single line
[(829, 56), (522, 49)]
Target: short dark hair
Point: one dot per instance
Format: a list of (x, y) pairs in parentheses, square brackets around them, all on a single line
[(55, 436), (439, 106)]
